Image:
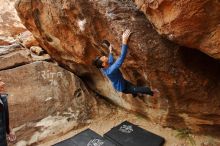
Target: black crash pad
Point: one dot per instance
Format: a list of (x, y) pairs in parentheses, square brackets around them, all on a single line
[(86, 138), (128, 134)]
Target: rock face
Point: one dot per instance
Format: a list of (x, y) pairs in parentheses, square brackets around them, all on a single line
[(12, 30), (15, 59), (43, 97), (192, 23), (27, 39), (10, 24), (188, 81), (45, 89), (14, 55)]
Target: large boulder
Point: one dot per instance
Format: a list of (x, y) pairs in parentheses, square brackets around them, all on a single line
[(10, 24), (71, 32), (12, 31), (14, 59), (44, 97), (192, 23), (15, 55), (44, 89)]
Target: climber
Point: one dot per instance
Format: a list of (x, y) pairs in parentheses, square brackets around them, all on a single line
[(4, 118), (111, 70)]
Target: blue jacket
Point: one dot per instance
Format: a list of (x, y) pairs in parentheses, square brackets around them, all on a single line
[(113, 72)]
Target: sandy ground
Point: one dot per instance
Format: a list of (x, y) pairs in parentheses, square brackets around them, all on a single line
[(106, 122)]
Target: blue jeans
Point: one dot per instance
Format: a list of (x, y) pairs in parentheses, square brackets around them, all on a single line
[(134, 90)]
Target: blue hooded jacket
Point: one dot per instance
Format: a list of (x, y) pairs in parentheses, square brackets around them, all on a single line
[(113, 72)]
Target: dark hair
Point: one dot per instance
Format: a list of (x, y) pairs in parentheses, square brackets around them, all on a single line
[(105, 43), (97, 62)]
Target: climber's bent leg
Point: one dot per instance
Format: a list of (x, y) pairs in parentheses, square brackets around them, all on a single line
[(132, 89)]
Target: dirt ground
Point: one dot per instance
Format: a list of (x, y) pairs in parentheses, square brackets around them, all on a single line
[(106, 122)]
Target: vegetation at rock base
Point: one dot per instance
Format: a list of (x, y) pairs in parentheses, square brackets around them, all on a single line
[(186, 135)]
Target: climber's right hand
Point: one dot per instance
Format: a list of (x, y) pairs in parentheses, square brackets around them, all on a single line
[(126, 36)]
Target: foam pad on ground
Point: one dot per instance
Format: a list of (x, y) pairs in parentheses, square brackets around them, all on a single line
[(128, 134), (86, 138)]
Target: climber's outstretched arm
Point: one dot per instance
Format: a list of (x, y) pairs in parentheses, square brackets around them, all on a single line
[(124, 48)]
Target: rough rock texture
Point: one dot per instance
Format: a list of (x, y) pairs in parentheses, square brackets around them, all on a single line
[(15, 55), (10, 24), (27, 39), (43, 97), (45, 89), (15, 59), (11, 29), (188, 81), (6, 49), (192, 23)]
